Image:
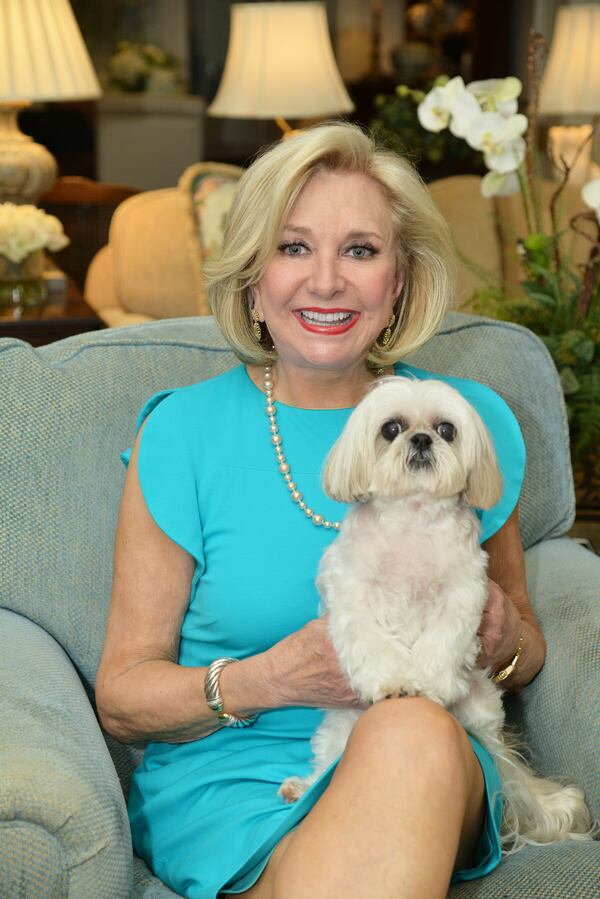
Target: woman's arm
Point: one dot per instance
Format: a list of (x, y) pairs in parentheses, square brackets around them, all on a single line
[(142, 693), (508, 614)]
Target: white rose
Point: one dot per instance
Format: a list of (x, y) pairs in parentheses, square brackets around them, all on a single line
[(25, 229)]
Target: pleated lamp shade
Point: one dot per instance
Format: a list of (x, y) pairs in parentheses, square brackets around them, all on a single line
[(42, 53), (571, 81), (280, 63), (42, 57)]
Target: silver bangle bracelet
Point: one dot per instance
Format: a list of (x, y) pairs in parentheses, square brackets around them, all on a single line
[(213, 697)]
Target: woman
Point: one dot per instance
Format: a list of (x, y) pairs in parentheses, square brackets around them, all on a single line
[(335, 265)]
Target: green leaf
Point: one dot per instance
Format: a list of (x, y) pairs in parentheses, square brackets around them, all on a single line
[(541, 271), (569, 381), (535, 292), (576, 347)]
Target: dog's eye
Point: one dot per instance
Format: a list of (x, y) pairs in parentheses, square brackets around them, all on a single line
[(446, 430), (391, 429)]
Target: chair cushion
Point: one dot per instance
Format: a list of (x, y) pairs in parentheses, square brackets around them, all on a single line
[(207, 190), (145, 231)]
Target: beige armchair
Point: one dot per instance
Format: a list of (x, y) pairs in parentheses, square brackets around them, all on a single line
[(152, 265), (485, 230)]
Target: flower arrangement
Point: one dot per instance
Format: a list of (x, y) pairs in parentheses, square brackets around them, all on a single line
[(558, 300), (137, 67), (26, 229)]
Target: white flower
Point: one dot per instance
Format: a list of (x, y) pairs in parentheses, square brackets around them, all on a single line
[(435, 110), (500, 140), (590, 194), (497, 94), (25, 229), (496, 184), (127, 67), (465, 109)]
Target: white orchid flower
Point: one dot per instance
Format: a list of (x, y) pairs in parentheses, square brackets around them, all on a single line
[(590, 194), (497, 184), (497, 94), (464, 110), (435, 110), (499, 139)]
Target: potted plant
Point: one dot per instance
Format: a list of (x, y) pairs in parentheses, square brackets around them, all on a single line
[(558, 300)]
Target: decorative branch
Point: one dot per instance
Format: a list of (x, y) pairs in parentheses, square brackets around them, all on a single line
[(535, 43), (565, 170), (592, 267)]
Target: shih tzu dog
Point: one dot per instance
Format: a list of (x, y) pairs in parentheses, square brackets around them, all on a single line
[(405, 586)]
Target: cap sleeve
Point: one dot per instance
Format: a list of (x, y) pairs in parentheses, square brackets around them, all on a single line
[(508, 441), (166, 471)]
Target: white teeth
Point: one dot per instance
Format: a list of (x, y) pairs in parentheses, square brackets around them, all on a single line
[(325, 318)]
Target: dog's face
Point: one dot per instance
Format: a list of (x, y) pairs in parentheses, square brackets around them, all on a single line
[(409, 436)]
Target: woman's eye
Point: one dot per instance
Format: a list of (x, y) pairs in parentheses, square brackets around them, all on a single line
[(292, 249), (362, 251), (446, 430)]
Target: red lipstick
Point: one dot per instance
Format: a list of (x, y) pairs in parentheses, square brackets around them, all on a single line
[(321, 328)]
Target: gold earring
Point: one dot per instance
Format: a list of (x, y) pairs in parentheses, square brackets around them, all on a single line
[(387, 334), (256, 324)]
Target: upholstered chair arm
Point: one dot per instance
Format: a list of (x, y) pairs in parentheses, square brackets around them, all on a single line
[(558, 712), (63, 822)]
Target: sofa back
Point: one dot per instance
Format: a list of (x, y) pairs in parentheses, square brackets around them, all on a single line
[(69, 408)]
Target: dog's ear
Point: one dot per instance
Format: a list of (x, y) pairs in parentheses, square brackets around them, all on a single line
[(484, 483), (348, 467)]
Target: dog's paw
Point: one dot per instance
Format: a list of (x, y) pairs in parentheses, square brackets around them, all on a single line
[(292, 789)]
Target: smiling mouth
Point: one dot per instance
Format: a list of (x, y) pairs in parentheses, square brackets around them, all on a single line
[(335, 321)]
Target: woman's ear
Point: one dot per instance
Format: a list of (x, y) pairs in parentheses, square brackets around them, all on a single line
[(398, 283)]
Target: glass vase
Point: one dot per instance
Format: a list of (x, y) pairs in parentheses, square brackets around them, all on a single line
[(22, 285)]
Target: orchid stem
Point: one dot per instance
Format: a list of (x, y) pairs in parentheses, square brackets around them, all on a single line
[(525, 198)]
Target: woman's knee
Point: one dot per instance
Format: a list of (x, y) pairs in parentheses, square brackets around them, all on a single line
[(414, 728)]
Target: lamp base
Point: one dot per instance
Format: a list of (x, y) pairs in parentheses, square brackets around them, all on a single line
[(286, 128), (27, 169)]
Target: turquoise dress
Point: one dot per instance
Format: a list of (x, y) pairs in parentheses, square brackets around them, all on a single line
[(205, 815)]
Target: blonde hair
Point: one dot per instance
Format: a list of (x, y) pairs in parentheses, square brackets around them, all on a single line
[(264, 199)]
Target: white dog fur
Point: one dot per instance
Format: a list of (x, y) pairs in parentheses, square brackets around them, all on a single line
[(405, 586)]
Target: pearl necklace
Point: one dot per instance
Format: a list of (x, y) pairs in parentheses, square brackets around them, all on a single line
[(284, 468)]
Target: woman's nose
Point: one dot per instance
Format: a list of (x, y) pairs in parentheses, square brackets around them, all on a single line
[(325, 279)]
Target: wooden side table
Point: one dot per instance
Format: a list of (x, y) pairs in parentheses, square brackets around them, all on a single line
[(65, 314)]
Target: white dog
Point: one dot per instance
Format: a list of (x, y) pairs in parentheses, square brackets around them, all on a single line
[(405, 586)]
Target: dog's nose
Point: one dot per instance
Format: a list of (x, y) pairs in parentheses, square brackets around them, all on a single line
[(421, 441)]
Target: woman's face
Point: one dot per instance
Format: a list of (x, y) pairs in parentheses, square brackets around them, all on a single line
[(329, 290)]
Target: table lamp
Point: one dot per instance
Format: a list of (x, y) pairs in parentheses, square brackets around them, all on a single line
[(279, 65), (42, 57), (571, 84)]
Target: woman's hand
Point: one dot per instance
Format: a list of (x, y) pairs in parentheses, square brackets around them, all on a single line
[(500, 629), (304, 670)]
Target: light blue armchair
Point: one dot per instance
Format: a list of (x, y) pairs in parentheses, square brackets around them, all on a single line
[(66, 410)]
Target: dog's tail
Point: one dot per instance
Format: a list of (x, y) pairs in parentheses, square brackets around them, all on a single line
[(536, 810)]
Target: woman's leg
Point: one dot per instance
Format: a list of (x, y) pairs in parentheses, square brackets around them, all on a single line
[(405, 807)]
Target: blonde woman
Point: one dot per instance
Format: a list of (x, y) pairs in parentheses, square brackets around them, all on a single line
[(335, 265)]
